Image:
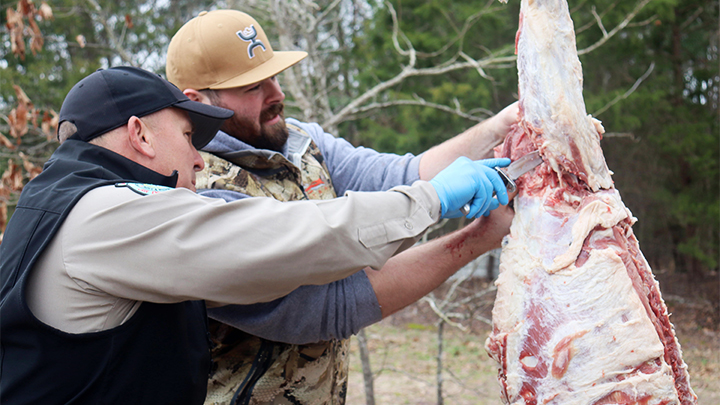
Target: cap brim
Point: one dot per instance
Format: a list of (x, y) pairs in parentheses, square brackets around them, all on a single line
[(279, 62), (206, 119)]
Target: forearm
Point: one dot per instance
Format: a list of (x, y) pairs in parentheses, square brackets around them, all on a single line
[(416, 272), (180, 233), (476, 143), (309, 314)]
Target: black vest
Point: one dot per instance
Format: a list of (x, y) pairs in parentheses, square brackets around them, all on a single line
[(159, 356)]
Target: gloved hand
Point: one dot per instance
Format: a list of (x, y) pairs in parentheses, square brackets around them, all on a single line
[(467, 181)]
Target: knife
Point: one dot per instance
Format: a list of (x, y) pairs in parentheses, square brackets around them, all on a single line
[(513, 172)]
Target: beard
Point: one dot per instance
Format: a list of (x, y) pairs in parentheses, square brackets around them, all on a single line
[(257, 134)]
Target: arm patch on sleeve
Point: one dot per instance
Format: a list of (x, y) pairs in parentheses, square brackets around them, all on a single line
[(144, 188)]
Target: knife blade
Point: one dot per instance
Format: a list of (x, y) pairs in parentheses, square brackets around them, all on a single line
[(513, 172)]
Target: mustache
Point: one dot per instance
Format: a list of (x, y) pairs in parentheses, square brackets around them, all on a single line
[(272, 111)]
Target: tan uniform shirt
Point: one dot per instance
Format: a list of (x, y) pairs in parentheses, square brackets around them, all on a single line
[(118, 248)]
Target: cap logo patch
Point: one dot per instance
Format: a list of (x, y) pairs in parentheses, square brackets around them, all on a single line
[(249, 34)]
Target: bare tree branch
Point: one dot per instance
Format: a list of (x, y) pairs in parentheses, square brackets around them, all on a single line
[(627, 93), (477, 295), (644, 22), (115, 44), (324, 14), (484, 320), (306, 25), (460, 37), (354, 105), (409, 71), (423, 103), (618, 28), (599, 22), (441, 315), (476, 65), (396, 31), (621, 135), (592, 23)]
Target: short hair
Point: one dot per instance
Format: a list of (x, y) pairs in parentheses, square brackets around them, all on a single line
[(212, 95), (66, 130)]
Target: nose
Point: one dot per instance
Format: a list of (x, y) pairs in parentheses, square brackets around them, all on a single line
[(198, 162), (274, 92)]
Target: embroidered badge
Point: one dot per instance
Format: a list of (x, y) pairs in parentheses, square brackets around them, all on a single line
[(248, 35), (144, 188)]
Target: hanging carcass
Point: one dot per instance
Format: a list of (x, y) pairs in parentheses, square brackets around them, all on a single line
[(578, 317)]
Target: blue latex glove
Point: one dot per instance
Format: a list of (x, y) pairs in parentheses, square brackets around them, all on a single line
[(474, 182)]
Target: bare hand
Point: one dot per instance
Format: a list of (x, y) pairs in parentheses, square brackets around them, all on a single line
[(504, 120), (493, 228)]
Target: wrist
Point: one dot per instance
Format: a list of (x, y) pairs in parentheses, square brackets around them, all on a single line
[(441, 196)]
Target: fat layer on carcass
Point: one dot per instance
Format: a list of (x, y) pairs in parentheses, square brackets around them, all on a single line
[(578, 317)]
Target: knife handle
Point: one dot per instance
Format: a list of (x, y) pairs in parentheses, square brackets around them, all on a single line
[(509, 184)]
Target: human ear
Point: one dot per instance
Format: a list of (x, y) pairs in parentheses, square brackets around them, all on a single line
[(195, 95), (140, 137)]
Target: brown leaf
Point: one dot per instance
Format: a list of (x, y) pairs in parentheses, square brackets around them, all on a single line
[(17, 45), (3, 218), (29, 167), (33, 116), (15, 26), (12, 178), (13, 18), (26, 8), (36, 37), (18, 117), (6, 142), (81, 40), (49, 124), (18, 122), (128, 21), (21, 96), (45, 11), (4, 192)]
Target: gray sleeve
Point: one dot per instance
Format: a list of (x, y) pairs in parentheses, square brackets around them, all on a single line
[(309, 314), (361, 169)]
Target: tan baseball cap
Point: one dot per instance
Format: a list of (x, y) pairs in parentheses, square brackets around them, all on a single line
[(223, 49)]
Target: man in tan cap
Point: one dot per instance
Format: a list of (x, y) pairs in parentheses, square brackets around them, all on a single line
[(294, 350)]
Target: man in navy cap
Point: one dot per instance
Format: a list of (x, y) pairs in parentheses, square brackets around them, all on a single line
[(110, 257)]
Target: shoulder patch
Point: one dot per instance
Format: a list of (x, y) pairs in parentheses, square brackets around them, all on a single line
[(144, 188)]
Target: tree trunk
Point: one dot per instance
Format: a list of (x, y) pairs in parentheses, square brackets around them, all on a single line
[(439, 377), (367, 371), (676, 58), (490, 269)]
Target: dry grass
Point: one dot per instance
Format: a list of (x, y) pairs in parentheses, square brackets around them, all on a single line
[(404, 346), (404, 362)]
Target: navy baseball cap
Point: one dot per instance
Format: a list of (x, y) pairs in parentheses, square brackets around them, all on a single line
[(106, 99)]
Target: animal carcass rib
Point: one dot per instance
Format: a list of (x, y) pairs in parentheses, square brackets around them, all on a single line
[(578, 317)]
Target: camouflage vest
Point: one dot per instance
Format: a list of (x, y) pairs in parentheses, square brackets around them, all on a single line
[(248, 369)]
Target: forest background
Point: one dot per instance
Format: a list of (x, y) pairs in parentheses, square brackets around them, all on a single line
[(403, 75)]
